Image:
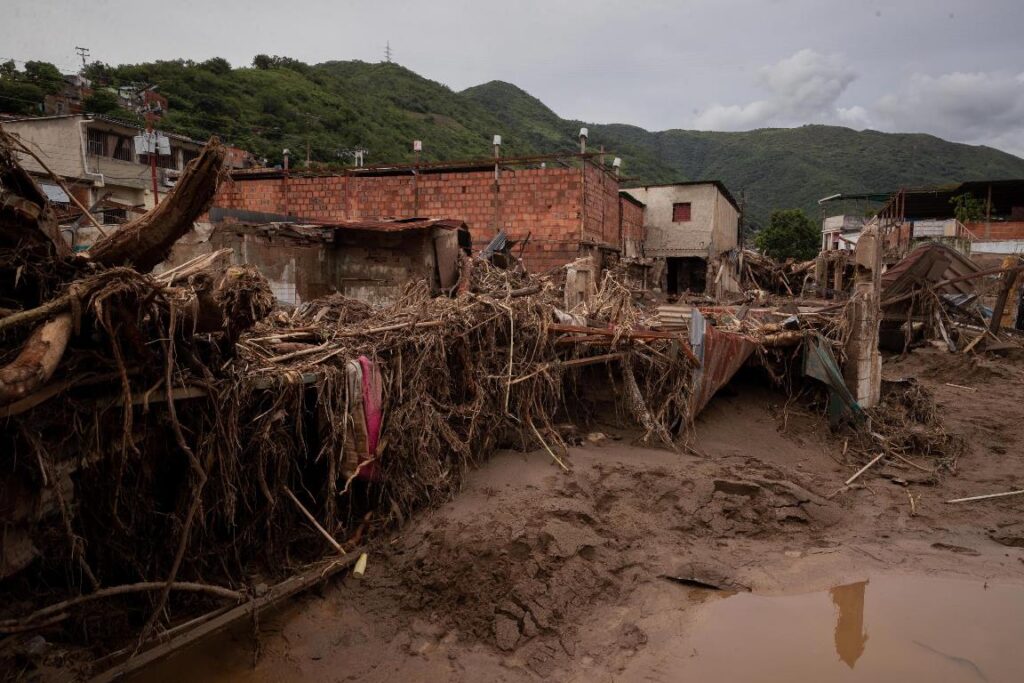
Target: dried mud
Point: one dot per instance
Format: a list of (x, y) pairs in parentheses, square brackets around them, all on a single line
[(532, 573)]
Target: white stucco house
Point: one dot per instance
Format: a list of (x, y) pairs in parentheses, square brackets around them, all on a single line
[(692, 230)]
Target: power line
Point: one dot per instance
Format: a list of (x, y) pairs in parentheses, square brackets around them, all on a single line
[(83, 52)]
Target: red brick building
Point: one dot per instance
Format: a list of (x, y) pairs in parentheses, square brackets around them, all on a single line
[(568, 206)]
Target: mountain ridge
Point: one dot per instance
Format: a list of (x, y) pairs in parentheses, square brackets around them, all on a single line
[(334, 107)]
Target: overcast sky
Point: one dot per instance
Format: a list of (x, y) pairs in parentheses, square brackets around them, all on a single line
[(954, 68)]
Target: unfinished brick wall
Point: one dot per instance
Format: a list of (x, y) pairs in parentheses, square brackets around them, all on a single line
[(601, 207), (997, 230), (558, 207), (631, 221)]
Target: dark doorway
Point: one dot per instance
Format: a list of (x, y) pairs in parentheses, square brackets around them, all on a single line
[(687, 273)]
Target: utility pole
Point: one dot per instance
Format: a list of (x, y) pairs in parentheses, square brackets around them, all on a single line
[(83, 52), (152, 156)]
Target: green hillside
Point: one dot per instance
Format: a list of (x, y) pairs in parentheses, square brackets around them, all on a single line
[(773, 167), (331, 107)]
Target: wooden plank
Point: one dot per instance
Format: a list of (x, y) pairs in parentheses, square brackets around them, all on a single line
[(278, 593), (1008, 280)]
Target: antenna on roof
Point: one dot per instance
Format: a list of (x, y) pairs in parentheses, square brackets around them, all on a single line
[(387, 52)]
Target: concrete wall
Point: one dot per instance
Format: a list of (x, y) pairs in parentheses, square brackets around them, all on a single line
[(558, 207), (711, 230), (57, 141), (367, 265)]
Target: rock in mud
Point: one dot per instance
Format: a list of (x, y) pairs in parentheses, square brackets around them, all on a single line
[(506, 632)]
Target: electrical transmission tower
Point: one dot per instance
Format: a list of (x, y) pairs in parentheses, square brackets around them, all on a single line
[(387, 52)]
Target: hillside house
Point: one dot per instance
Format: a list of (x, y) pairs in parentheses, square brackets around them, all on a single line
[(692, 232), (96, 158), (841, 232)]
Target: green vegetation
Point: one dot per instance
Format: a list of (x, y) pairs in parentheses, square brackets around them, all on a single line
[(967, 207), (282, 103), (332, 107), (773, 167), (790, 234), (22, 92), (101, 102)]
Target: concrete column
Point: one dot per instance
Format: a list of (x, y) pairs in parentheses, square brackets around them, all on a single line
[(863, 371)]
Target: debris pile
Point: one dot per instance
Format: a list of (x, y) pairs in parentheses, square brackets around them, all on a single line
[(761, 273), (167, 458), (936, 293)]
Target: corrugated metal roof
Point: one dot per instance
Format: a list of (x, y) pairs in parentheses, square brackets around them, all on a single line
[(55, 193), (929, 263)]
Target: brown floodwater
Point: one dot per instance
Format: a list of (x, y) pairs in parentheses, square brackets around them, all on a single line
[(887, 628)]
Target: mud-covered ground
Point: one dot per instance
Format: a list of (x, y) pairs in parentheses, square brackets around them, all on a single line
[(533, 572)]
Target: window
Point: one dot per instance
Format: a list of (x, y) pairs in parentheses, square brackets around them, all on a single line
[(122, 148), (96, 142), (115, 216), (681, 212)]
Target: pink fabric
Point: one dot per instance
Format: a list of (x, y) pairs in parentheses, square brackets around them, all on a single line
[(374, 416)]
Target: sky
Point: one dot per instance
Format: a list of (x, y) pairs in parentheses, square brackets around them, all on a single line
[(952, 68)]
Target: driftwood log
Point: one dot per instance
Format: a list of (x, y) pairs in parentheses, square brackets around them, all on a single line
[(38, 360), (147, 240), (141, 244)]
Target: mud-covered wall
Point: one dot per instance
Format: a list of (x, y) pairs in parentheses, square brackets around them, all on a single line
[(367, 265)]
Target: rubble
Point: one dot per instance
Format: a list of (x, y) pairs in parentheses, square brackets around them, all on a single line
[(178, 441)]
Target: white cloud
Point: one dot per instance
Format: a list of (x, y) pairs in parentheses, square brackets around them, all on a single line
[(853, 117), (802, 88), (977, 107)]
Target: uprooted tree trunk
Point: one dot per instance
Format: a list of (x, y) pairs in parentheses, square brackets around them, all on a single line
[(142, 244), (37, 361), (147, 240)]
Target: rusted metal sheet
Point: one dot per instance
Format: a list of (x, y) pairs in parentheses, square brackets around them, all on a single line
[(721, 355)]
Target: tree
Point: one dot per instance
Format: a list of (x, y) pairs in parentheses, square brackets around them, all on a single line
[(967, 207), (44, 75), (101, 102), (790, 234), (217, 65)]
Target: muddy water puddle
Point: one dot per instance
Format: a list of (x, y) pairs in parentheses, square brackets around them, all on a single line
[(887, 628)]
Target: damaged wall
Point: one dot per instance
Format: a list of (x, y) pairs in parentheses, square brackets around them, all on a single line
[(711, 228), (558, 207), (302, 263)]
